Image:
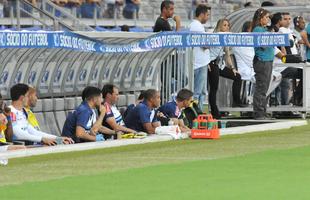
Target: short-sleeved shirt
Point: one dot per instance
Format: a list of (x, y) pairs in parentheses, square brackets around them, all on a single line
[(129, 108), (83, 116), (263, 53), (201, 55), (112, 111), (308, 49), (162, 24), (140, 115), (171, 110)]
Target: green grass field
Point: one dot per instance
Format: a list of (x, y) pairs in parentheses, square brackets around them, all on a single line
[(266, 165)]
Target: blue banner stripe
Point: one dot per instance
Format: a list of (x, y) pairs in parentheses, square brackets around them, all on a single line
[(73, 41)]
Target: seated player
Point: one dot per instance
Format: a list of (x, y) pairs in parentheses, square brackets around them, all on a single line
[(22, 130), (173, 109), (132, 106), (83, 124), (143, 116), (113, 118)]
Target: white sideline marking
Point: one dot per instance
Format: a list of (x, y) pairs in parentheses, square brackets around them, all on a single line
[(150, 139), (263, 127)]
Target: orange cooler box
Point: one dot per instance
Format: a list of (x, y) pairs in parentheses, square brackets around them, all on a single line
[(207, 128)]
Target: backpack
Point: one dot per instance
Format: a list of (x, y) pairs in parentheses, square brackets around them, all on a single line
[(190, 113)]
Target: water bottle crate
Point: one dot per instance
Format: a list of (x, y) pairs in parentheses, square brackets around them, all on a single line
[(205, 127)]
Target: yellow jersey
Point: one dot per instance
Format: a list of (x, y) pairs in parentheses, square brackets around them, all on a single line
[(32, 119), (2, 137)]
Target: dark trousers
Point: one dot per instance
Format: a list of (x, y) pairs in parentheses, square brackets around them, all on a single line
[(236, 87), (263, 71), (213, 78), (295, 73)]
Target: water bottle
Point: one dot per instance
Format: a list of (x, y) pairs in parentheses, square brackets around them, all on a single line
[(195, 124)]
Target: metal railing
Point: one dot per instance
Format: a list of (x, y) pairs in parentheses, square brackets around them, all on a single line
[(176, 72), (46, 14)]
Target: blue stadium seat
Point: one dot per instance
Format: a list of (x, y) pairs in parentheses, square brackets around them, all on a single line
[(50, 120)]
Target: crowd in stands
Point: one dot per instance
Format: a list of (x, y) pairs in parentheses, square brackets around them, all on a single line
[(84, 8)]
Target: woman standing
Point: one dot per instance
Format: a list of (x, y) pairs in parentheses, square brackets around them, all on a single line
[(221, 65), (262, 64)]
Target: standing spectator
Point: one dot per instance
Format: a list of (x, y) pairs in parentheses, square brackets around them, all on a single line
[(166, 12), (201, 56), (221, 65), (244, 57), (195, 3), (143, 117), (262, 64), (114, 7), (131, 8), (276, 21), (305, 35), (299, 25), (286, 83), (285, 28)]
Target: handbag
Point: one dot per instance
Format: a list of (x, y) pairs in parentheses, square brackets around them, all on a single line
[(293, 58)]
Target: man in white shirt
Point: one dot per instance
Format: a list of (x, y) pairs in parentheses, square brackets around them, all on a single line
[(201, 56), (292, 49), (300, 25), (244, 57), (285, 28), (22, 130)]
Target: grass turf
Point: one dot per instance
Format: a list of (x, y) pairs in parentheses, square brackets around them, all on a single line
[(253, 166)]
